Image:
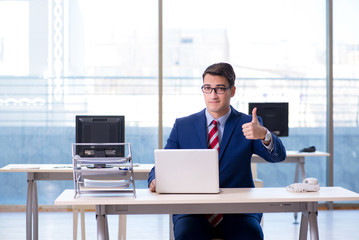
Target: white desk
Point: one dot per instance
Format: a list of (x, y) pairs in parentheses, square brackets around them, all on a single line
[(36, 172), (295, 157), (230, 200)]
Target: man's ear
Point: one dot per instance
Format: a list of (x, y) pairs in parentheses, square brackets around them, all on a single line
[(233, 91)]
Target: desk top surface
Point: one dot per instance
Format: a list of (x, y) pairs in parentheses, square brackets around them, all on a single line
[(304, 154), (227, 195), (137, 167), (307, 154), (59, 168)]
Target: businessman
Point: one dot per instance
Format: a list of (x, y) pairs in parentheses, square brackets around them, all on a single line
[(236, 136)]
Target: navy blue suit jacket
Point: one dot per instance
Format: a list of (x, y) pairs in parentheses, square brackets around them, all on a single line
[(235, 150)]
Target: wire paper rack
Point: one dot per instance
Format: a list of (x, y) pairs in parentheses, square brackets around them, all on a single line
[(103, 175)]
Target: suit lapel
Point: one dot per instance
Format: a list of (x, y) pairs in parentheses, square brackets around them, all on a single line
[(229, 127), (200, 126)]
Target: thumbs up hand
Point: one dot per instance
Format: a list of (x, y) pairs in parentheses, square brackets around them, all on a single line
[(254, 130)]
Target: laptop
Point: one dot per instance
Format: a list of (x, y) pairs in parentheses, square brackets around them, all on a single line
[(186, 171)]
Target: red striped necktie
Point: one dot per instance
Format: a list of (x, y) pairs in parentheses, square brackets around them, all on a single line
[(213, 142)]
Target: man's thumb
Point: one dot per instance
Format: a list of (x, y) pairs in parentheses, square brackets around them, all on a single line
[(254, 115)]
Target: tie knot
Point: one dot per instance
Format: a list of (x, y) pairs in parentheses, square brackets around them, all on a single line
[(214, 122)]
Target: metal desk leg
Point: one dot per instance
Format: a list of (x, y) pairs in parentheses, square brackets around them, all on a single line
[(102, 226), (101, 231), (30, 182), (303, 232), (83, 230), (299, 164), (172, 237), (75, 220), (35, 212), (296, 176), (310, 217), (313, 225), (122, 227)]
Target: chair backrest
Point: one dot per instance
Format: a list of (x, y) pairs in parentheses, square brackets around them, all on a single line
[(254, 170)]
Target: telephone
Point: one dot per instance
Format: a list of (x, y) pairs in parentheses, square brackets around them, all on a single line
[(308, 149), (308, 185)]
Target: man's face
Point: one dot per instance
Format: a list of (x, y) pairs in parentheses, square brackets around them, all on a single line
[(217, 104)]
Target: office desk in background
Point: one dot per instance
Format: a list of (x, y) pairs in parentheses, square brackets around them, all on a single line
[(229, 200), (38, 172), (295, 157)]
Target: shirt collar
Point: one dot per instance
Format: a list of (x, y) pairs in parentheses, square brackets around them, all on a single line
[(221, 121)]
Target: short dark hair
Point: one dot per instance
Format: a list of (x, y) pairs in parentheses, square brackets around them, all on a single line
[(221, 69)]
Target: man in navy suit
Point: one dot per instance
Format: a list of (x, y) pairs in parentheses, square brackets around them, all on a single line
[(240, 136)]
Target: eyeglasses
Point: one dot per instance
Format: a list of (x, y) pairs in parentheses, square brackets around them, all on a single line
[(217, 90)]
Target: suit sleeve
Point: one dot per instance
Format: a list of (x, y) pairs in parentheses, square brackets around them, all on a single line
[(278, 153)]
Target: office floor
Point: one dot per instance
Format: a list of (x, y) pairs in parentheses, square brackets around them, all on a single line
[(333, 225)]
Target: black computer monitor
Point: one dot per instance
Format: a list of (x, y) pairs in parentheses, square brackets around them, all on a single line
[(100, 129), (274, 116)]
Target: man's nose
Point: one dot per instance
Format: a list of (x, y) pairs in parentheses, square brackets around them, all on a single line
[(213, 93)]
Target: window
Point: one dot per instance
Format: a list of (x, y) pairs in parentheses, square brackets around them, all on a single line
[(278, 56), (60, 59), (346, 97)]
